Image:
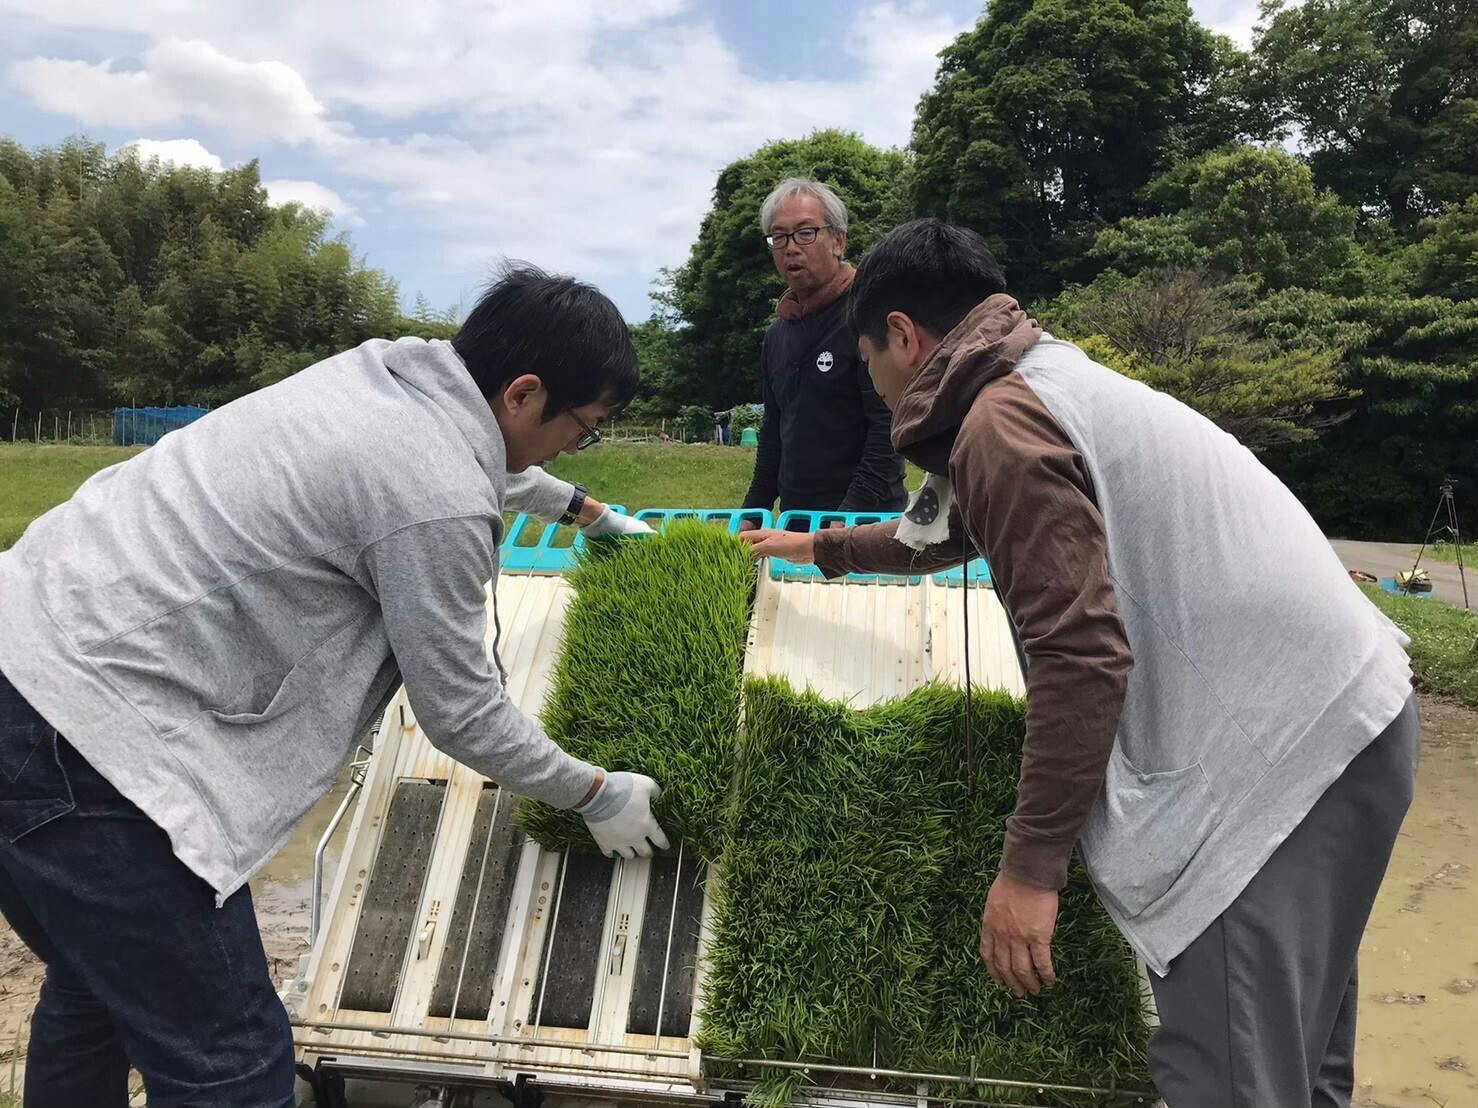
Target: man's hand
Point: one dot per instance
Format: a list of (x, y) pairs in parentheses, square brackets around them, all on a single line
[(794, 546), (1016, 935), (613, 525), (620, 818)]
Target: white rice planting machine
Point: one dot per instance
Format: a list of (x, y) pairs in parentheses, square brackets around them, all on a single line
[(456, 963)]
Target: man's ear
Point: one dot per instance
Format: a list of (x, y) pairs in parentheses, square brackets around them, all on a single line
[(522, 391), (902, 333)]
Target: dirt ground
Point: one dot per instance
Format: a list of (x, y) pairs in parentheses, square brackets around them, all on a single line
[(1418, 1027), (1418, 1039)]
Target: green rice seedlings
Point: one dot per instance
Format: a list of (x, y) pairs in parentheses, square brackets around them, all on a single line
[(848, 905), (649, 677), (852, 865)]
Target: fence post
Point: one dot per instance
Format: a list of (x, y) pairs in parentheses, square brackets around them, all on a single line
[(15, 424), (38, 427)]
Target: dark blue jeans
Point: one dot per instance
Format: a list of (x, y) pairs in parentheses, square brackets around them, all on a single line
[(141, 966)]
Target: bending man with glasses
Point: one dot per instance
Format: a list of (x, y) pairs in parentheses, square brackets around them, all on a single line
[(824, 443), (194, 643)]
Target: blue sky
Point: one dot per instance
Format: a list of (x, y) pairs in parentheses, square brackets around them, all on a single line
[(583, 135)]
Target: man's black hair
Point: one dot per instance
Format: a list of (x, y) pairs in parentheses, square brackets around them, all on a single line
[(565, 332), (931, 271)]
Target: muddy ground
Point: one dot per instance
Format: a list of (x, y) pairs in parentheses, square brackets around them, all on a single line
[(1418, 1027), (1418, 1038)]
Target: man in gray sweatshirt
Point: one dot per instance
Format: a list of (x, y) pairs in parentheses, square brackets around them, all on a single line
[(191, 646)]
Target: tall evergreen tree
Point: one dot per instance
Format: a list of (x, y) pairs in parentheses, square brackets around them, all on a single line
[(1050, 115)]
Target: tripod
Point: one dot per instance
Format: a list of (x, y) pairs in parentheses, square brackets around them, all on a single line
[(1446, 503)]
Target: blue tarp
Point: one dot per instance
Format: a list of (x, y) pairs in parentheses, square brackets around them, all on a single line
[(146, 426)]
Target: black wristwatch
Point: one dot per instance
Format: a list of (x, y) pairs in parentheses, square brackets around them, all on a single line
[(577, 505)]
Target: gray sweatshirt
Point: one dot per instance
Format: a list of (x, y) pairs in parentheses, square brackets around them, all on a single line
[(215, 622)]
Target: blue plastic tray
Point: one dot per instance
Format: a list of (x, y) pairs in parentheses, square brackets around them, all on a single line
[(782, 570), (1389, 585), (542, 556), (807, 521), (656, 517)]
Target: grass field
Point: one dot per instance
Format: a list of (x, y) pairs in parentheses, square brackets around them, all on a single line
[(665, 475), (1444, 642), (1447, 552), (668, 475), (34, 478)]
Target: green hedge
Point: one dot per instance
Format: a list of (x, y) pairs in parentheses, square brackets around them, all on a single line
[(649, 677), (850, 894)]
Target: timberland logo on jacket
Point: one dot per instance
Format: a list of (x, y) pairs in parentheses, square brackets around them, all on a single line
[(824, 361)]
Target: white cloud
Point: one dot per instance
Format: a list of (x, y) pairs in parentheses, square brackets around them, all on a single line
[(1233, 18), (605, 166), (580, 134), (187, 152), (179, 80), (898, 47), (311, 194)]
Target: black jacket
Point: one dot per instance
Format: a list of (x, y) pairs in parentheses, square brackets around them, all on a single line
[(824, 443)]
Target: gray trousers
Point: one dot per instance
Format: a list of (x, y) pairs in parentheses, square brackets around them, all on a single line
[(1259, 1011)]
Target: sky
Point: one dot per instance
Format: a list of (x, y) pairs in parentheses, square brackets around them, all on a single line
[(581, 135)]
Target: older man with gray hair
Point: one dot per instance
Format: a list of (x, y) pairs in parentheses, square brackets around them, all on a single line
[(825, 442)]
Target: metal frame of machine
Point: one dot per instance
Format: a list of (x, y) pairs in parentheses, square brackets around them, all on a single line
[(430, 828)]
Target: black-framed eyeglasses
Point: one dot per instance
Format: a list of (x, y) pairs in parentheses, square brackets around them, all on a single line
[(804, 236), (589, 436)]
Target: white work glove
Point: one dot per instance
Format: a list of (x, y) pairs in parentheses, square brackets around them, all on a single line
[(612, 525), (620, 818)]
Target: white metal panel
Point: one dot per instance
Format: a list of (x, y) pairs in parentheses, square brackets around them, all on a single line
[(863, 643), (857, 642), (994, 662)]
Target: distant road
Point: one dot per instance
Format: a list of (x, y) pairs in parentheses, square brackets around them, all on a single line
[(1386, 559)]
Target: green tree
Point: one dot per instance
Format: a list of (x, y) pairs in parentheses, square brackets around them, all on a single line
[(126, 280), (64, 282), (657, 395), (1049, 116), (1184, 332), (17, 259), (1444, 259), (426, 322), (1384, 93), (1412, 365), (1243, 210), (724, 296)]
